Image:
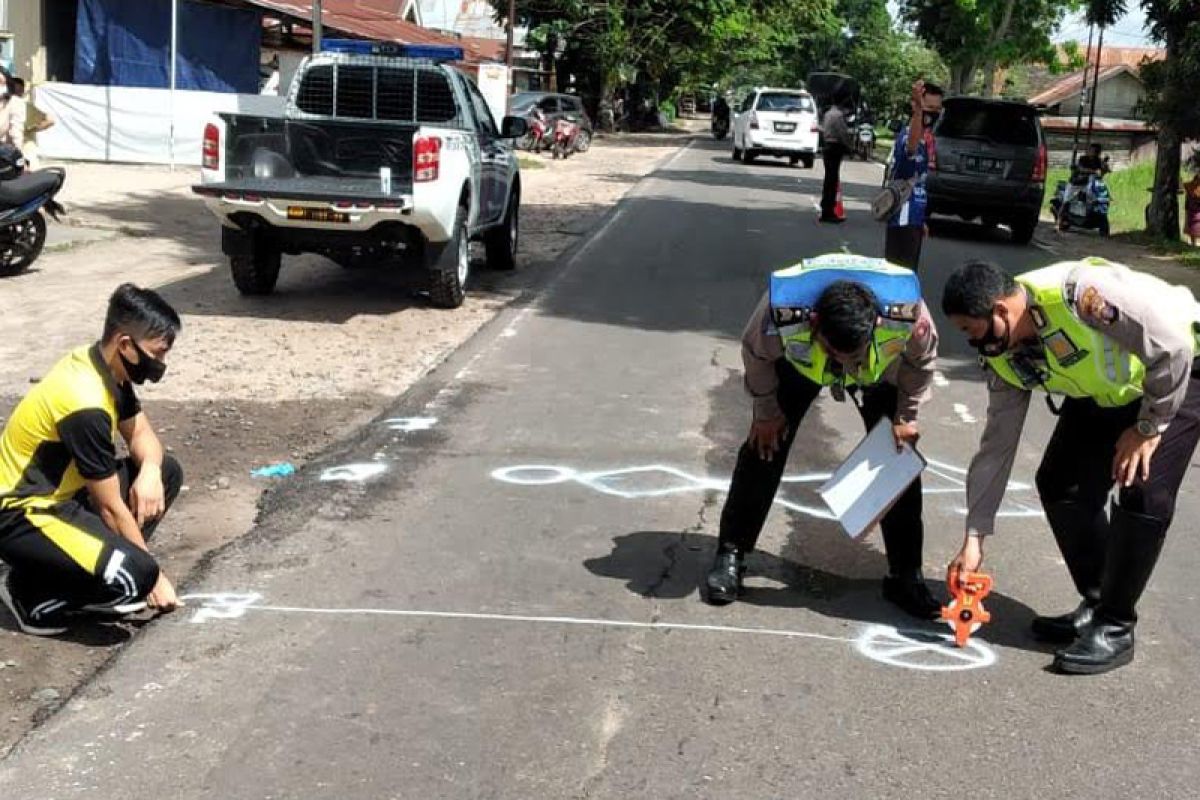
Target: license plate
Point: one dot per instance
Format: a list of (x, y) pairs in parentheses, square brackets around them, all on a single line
[(985, 165), (785, 127), (316, 214)]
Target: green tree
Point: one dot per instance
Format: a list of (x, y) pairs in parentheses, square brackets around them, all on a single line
[(975, 35)]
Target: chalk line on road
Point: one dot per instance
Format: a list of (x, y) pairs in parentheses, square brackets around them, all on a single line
[(919, 650)]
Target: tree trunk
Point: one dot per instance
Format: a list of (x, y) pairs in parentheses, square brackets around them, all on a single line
[(961, 76), (1162, 218), (989, 79)]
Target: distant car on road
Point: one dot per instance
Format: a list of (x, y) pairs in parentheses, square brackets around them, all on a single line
[(776, 122), (989, 163), (555, 107)]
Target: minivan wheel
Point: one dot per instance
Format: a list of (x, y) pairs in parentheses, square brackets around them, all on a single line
[(1022, 229)]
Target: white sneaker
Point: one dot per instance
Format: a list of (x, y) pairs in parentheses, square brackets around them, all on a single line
[(24, 621)]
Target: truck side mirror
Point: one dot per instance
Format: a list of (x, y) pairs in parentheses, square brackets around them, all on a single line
[(514, 127)]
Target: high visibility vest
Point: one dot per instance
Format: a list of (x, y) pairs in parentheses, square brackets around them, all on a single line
[(1079, 360), (793, 297)]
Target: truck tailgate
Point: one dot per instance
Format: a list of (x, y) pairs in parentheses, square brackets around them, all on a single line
[(313, 188)]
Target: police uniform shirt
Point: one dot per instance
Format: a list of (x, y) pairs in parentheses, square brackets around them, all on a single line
[(911, 372), (1145, 315), (63, 433)]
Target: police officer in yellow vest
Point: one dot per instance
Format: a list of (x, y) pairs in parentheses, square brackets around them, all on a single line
[(1118, 350), (858, 326)]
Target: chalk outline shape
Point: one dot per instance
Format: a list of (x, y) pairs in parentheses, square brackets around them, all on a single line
[(352, 473), (895, 643), (410, 424)]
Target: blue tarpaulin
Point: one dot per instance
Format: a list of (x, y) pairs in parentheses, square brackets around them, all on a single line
[(128, 43)]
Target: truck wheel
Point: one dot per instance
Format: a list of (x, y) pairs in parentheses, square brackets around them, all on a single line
[(448, 278), (793, 160), (501, 242), (808, 162), (1022, 229), (748, 156), (256, 274)]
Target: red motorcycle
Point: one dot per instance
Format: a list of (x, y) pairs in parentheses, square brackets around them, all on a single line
[(538, 128), (566, 138)]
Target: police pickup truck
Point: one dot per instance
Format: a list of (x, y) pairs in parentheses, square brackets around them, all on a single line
[(384, 153)]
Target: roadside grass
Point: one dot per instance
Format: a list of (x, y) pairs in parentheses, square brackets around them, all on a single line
[(529, 162)]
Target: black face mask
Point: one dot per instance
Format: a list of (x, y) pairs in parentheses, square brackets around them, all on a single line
[(930, 119), (147, 368), (991, 345)]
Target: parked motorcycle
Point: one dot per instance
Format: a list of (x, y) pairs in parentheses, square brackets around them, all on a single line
[(864, 141), (1082, 202), (23, 198), (567, 133), (720, 127), (538, 128)]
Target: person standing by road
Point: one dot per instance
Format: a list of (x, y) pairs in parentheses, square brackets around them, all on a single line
[(837, 143), (36, 121), (1191, 203), (1120, 346), (911, 156), (75, 518), (858, 326)]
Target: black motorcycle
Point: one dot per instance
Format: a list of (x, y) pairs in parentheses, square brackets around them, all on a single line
[(23, 198), (720, 127)]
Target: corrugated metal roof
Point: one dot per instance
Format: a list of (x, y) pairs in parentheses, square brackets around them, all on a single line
[(371, 19), (1100, 124)]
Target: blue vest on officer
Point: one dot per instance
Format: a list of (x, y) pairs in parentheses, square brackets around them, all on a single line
[(794, 293)]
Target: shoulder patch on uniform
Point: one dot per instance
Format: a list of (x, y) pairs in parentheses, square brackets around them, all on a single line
[(921, 330), (1092, 306), (789, 316)]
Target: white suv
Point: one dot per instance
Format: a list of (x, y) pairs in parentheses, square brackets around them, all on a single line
[(776, 122)]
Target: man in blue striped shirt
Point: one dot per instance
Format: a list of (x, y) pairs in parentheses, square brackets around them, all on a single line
[(914, 149)]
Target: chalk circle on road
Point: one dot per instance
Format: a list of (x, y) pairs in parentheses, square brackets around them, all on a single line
[(535, 475), (919, 650)]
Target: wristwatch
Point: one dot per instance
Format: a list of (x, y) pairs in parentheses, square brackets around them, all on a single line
[(1147, 428)]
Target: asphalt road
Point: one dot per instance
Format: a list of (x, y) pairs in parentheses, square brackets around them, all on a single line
[(497, 597)]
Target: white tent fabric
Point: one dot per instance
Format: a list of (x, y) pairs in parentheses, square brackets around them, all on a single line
[(118, 123)]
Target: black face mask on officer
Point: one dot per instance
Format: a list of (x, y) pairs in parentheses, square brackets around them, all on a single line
[(146, 368), (990, 344), (930, 118)]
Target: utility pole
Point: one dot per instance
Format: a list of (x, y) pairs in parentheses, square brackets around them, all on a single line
[(316, 26), (1082, 96), (508, 49), (1095, 85)]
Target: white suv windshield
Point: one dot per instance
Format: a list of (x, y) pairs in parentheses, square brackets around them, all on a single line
[(781, 101)]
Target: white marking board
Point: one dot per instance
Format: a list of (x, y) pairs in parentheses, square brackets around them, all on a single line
[(866, 485)]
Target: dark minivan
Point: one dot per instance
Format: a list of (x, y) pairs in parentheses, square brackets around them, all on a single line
[(989, 163)]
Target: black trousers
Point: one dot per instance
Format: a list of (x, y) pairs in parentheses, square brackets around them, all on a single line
[(831, 156), (756, 481), (65, 557), (902, 245), (1077, 465)]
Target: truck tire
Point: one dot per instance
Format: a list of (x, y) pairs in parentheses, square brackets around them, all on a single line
[(748, 156), (808, 161), (255, 275), (1022, 229), (501, 242), (452, 267)]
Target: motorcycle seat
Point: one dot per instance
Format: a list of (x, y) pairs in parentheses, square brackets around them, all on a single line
[(22, 189)]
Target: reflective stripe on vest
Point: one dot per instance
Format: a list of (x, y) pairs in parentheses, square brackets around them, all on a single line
[(1079, 361), (794, 294)]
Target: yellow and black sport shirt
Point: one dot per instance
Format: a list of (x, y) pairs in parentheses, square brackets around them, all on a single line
[(64, 432)]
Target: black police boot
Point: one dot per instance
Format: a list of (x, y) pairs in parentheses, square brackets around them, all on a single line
[(909, 592), (724, 580), (1107, 641), (1082, 539)]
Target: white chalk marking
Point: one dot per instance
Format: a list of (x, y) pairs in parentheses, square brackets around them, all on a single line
[(939, 379), (881, 643), (352, 473), (410, 424), (964, 413), (663, 480)]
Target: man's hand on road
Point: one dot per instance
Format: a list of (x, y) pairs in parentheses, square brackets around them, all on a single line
[(1132, 458), (905, 433), (969, 558), (767, 435), (163, 597), (147, 497)]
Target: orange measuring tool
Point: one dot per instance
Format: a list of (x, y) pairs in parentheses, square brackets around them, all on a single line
[(965, 612)]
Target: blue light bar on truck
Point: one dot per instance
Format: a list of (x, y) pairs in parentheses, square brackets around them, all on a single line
[(361, 47)]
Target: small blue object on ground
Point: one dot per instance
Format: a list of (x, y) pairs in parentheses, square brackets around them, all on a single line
[(280, 470)]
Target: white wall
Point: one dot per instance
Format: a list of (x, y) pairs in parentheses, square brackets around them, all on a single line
[(118, 123)]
